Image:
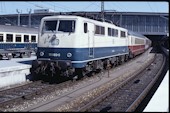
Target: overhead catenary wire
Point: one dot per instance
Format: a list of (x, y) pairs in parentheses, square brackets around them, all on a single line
[(58, 6), (3, 8), (150, 7), (156, 7), (119, 7), (39, 6), (88, 6)]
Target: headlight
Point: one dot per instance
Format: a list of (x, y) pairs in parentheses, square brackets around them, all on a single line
[(69, 54), (41, 53)]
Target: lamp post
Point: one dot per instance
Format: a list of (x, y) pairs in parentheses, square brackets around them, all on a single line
[(102, 10), (29, 19), (18, 17)]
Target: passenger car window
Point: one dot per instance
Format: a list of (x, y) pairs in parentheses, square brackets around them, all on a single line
[(1, 38), (26, 38), (33, 38), (9, 38), (18, 38)]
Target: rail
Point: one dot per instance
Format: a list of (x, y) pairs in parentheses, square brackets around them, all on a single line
[(112, 90), (135, 104)]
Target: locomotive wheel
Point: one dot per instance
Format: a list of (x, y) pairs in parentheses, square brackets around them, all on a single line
[(1, 57), (79, 73), (35, 70), (126, 58), (117, 61), (13, 55), (21, 55), (9, 57), (29, 54)]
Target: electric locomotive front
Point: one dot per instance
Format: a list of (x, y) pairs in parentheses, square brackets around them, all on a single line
[(57, 47)]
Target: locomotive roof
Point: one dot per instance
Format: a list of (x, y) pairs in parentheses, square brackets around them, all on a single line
[(65, 16), (75, 16), (17, 29), (136, 34)]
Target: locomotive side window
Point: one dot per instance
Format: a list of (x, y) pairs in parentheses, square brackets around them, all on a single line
[(50, 25), (67, 26), (33, 38), (112, 32), (85, 27), (115, 32), (9, 38), (122, 34), (97, 30), (100, 30), (26, 38), (1, 37), (109, 32), (18, 38)]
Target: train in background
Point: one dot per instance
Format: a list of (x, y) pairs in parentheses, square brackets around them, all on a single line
[(17, 41), (137, 43), (71, 46)]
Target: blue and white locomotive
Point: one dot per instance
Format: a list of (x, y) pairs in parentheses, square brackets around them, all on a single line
[(72, 45)]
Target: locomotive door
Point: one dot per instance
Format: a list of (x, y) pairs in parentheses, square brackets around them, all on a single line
[(91, 39)]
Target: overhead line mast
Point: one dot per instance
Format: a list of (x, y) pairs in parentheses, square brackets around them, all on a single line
[(102, 10)]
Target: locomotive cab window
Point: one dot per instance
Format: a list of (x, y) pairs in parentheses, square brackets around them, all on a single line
[(9, 38), (26, 38), (50, 25), (18, 38), (1, 37), (66, 26)]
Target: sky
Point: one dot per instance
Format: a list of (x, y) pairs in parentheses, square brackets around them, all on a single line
[(11, 7)]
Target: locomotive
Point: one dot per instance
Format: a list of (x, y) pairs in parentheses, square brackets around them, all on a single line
[(70, 45)]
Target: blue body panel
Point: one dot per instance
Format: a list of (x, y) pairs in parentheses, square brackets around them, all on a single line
[(80, 56), (17, 45)]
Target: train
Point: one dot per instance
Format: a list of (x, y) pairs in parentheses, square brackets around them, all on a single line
[(70, 45), (17, 41)]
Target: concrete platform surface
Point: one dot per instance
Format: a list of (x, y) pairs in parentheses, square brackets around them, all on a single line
[(14, 71)]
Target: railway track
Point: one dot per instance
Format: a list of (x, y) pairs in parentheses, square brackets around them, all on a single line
[(126, 96), (58, 90), (13, 96), (16, 96)]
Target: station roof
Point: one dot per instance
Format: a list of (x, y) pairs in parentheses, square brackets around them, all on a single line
[(17, 29), (91, 12)]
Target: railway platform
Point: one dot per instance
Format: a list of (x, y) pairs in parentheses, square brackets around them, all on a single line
[(14, 71), (160, 100)]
